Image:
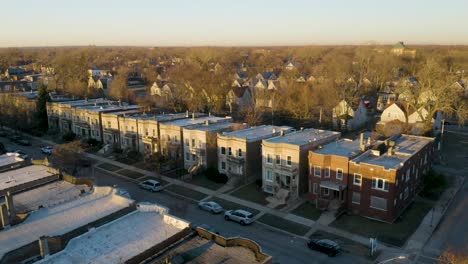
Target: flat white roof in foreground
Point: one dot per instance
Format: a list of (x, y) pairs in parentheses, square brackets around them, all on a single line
[(23, 175), (122, 239), (62, 218), (9, 158)]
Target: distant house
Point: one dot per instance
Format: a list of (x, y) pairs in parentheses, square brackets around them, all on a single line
[(238, 97), (96, 72), (350, 116), (395, 111), (385, 96), (400, 49), (292, 65), (302, 78), (402, 112), (266, 76)]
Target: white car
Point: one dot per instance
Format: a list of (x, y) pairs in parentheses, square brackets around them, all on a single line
[(211, 207), (151, 185), (47, 150), (241, 216)]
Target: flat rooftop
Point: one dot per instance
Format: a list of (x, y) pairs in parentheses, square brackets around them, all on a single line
[(84, 102), (257, 133), (120, 240), (23, 175), (62, 218), (193, 121), (345, 147), (107, 108), (304, 137), (124, 112), (159, 118), (220, 125), (47, 195), (405, 147), (198, 250), (9, 158)]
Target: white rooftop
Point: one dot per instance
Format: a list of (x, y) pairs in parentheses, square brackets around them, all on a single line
[(9, 158), (220, 125), (405, 147), (304, 137), (257, 133), (159, 118), (122, 239), (23, 175), (62, 218), (107, 107), (193, 121), (47, 195)]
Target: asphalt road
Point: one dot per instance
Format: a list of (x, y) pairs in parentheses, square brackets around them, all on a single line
[(33, 151)]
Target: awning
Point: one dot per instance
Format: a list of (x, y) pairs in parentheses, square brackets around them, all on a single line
[(332, 185)]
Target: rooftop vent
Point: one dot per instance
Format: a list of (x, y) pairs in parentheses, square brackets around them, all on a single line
[(375, 152)]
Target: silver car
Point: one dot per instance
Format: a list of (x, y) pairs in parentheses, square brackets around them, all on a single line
[(211, 207), (241, 216), (151, 185)]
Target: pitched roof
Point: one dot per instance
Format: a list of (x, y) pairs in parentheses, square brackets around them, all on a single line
[(239, 91), (399, 45)]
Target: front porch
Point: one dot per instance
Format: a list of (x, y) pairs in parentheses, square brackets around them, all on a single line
[(331, 196)]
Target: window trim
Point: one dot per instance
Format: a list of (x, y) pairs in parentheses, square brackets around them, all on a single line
[(289, 161), (360, 179), (375, 184), (266, 176), (269, 160), (327, 172), (319, 170), (336, 175)]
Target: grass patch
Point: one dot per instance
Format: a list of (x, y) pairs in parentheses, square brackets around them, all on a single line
[(250, 193), (283, 224), (347, 245), (163, 182), (131, 174), (307, 210), (181, 190), (455, 150), (203, 181), (395, 234), (109, 167), (227, 205)]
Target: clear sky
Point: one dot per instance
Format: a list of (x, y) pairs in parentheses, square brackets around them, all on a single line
[(231, 22)]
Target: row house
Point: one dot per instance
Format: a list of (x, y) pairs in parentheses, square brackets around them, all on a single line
[(172, 137), (329, 171), (239, 152), (200, 143), (60, 114), (87, 122), (285, 160), (111, 125)]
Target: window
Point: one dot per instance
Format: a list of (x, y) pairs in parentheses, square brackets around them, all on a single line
[(327, 172), (407, 174), (380, 184), (193, 142), (289, 163), (187, 142), (339, 174), (223, 165), (356, 198), (223, 150), (146, 132), (378, 203), (317, 171), (278, 159), (268, 176), (326, 192), (229, 151), (315, 188), (357, 179), (187, 156), (108, 124), (239, 152), (268, 159), (154, 133), (406, 193)]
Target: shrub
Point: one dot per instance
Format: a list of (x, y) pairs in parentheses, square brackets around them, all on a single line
[(92, 142), (69, 136), (213, 175), (434, 184), (259, 183)]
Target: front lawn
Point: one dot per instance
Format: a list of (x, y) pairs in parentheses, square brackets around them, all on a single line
[(131, 174), (203, 181), (307, 210), (395, 234), (183, 191), (250, 193), (109, 167), (283, 224)]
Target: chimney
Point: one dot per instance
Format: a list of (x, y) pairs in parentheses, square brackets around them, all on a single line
[(43, 247), (390, 151), (10, 206), (369, 141), (274, 131), (207, 122), (193, 116), (4, 218), (186, 114), (120, 102), (281, 132), (361, 143), (302, 128), (209, 113)]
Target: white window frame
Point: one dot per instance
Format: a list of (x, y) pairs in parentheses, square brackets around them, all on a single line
[(339, 172), (223, 150), (360, 179), (278, 159), (319, 170), (289, 161), (327, 172), (269, 160), (326, 192), (268, 176), (375, 184), (239, 152)]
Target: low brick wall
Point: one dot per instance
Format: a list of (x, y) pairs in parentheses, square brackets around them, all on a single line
[(236, 242), (77, 181)]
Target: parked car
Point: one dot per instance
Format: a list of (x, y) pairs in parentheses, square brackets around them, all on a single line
[(241, 216), (24, 142), (211, 207), (327, 246), (151, 185), (47, 150), (22, 154)]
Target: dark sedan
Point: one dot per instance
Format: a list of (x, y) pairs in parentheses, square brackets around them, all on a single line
[(326, 246)]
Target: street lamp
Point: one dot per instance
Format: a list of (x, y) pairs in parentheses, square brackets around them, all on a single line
[(395, 258)]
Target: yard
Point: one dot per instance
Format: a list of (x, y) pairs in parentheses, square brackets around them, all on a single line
[(394, 234), (307, 210), (283, 224), (455, 150), (227, 205), (203, 181), (183, 191), (131, 174), (109, 167), (346, 245), (250, 193)]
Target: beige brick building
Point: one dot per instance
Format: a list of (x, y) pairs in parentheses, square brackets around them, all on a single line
[(200, 143), (111, 125), (239, 152), (285, 160)]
